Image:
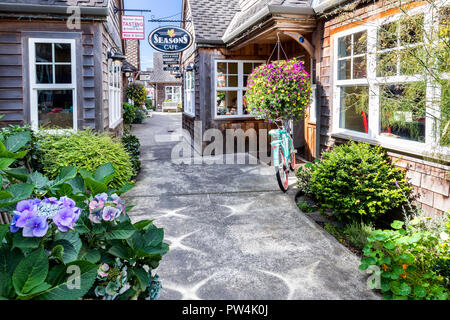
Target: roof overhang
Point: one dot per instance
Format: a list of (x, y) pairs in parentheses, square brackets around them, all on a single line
[(231, 35), (41, 9)]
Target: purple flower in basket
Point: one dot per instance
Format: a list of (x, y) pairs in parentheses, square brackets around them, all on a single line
[(35, 227)]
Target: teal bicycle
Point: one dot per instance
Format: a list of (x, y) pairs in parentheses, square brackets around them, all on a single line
[(283, 153)]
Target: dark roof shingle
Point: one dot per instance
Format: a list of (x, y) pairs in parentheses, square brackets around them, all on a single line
[(157, 74), (211, 18)]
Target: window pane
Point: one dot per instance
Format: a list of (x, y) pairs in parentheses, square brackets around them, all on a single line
[(354, 108), (387, 63), (344, 69), (63, 73), (245, 81), (445, 113), (360, 43), (221, 80), (44, 73), (226, 103), (62, 52), (411, 30), (44, 52), (55, 109), (232, 81), (402, 111), (244, 108), (411, 60), (221, 67), (359, 67), (387, 36), (248, 67), (232, 68), (344, 46)]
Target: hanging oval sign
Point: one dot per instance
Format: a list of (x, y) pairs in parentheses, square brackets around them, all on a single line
[(170, 39)]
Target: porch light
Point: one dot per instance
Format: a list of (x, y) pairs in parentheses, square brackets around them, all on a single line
[(178, 75), (191, 68), (115, 54), (127, 70)]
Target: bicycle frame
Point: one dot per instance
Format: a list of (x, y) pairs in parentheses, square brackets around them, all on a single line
[(283, 141)]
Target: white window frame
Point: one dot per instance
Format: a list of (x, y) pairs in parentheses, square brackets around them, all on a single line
[(189, 93), (172, 89), (374, 82), (115, 93), (240, 88), (34, 86)]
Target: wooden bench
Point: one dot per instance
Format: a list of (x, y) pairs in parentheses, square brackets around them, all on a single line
[(170, 106)]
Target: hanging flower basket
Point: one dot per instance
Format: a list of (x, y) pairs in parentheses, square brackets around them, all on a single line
[(279, 90)]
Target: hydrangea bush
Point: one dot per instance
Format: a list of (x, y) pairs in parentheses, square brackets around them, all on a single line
[(279, 90), (71, 236)]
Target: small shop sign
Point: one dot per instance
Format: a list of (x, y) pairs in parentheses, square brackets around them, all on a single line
[(170, 39), (172, 69), (171, 62), (133, 27), (170, 56)]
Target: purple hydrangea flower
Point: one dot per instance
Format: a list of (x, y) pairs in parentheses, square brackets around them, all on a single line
[(13, 228), (109, 213), (24, 216), (65, 219), (35, 227)]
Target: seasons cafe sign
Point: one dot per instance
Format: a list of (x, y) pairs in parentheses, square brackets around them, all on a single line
[(170, 39)]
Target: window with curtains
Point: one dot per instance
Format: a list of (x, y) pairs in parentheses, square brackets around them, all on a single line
[(115, 104), (189, 93), (230, 85), (53, 89), (380, 89)]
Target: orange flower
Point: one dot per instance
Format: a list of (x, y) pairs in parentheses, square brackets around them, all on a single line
[(405, 266), (385, 267)]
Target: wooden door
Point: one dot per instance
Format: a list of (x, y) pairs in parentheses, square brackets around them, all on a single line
[(310, 127)]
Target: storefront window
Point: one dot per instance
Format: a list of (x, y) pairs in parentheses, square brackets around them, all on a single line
[(173, 94), (115, 104), (354, 113), (380, 91), (231, 84), (189, 93), (53, 83)]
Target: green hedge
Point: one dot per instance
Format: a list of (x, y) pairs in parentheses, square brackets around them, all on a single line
[(357, 181), (88, 150)]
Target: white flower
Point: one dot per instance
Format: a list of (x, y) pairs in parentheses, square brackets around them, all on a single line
[(444, 236)]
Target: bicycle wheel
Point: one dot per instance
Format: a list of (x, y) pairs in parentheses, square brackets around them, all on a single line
[(282, 171)]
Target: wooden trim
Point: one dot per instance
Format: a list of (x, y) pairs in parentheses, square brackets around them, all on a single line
[(384, 14)]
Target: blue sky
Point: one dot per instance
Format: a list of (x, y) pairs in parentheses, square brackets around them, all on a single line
[(160, 9)]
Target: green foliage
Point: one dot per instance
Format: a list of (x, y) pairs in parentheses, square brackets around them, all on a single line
[(129, 113), (357, 181), (137, 93), (86, 150), (149, 104), (281, 89), (407, 260), (305, 206), (140, 115), (354, 233), (44, 268), (132, 145)]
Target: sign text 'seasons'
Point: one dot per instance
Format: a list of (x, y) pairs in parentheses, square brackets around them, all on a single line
[(170, 39)]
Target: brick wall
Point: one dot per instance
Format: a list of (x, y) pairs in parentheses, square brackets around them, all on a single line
[(132, 53)]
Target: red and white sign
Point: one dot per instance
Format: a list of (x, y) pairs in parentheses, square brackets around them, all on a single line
[(133, 27)]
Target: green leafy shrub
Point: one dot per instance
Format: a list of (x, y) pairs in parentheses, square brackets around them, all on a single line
[(305, 206), (129, 113), (85, 150), (140, 115), (355, 233), (409, 263), (149, 104), (357, 181), (133, 146), (137, 93)]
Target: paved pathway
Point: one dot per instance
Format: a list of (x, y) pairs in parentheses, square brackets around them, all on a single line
[(232, 233)]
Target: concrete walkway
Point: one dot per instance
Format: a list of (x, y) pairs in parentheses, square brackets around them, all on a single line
[(232, 233)]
